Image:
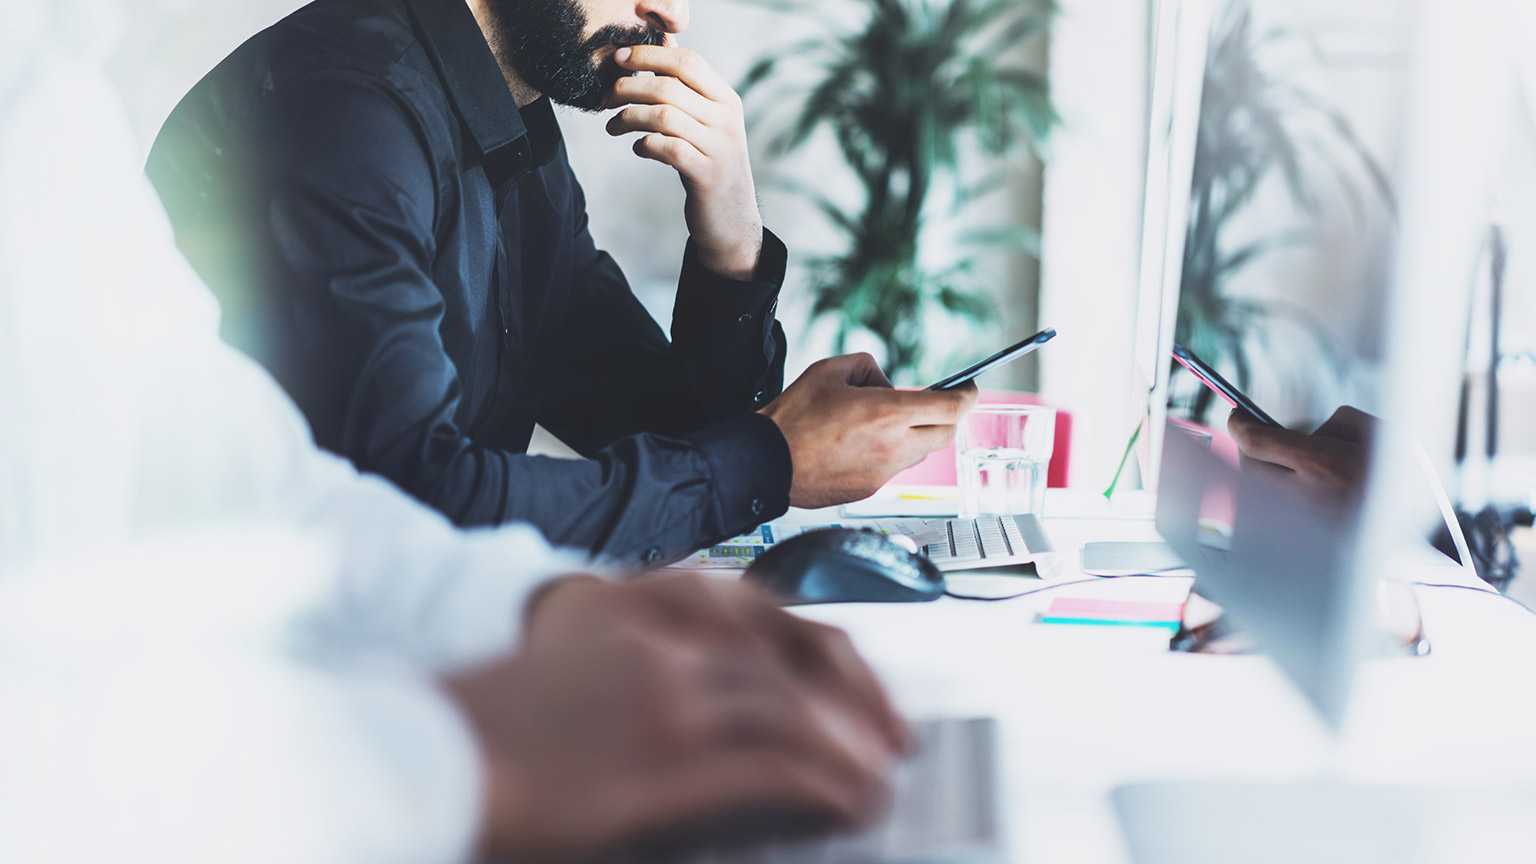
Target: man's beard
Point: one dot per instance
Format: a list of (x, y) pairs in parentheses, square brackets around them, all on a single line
[(544, 42)]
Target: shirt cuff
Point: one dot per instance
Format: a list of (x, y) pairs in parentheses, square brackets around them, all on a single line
[(708, 297), (750, 461)]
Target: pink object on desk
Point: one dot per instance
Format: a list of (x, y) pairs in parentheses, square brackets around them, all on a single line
[(939, 468), (1114, 610)]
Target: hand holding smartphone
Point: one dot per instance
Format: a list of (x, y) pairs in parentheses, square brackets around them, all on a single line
[(1210, 378)]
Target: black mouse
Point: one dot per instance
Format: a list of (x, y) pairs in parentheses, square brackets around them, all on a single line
[(842, 565)]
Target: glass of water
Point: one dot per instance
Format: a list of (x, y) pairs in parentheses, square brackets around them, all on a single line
[(1001, 456)]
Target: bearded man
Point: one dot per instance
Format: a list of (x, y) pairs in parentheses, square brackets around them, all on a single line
[(379, 193)]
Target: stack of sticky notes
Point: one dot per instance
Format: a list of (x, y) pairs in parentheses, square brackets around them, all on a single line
[(1114, 613)]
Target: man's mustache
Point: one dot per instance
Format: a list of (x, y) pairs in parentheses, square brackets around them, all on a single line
[(616, 36)]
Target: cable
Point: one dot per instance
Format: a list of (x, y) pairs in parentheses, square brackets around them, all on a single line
[(1042, 589), (1498, 258), (1447, 509), (1054, 585)]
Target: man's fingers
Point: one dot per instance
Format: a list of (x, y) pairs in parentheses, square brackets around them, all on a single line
[(831, 652), (1348, 424), (673, 152), (930, 407), (968, 392), (1304, 454), (661, 91), (926, 439), (793, 789), (866, 372), (855, 370), (705, 606), (667, 120), (826, 655), (680, 63), (784, 715), (1266, 443)]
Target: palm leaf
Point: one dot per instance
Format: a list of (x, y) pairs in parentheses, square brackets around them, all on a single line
[(1228, 265), (901, 92), (1019, 237)]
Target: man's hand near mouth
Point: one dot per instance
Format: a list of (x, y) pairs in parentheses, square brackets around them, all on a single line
[(695, 124)]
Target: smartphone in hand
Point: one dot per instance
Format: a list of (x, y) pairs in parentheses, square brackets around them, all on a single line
[(1007, 355), (1212, 379)]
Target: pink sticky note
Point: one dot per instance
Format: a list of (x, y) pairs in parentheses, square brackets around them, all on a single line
[(1114, 610)]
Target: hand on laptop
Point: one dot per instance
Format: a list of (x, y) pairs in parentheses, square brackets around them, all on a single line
[(849, 431), (1329, 465), (652, 710)]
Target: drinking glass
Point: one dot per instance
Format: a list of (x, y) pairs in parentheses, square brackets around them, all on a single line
[(1001, 456)]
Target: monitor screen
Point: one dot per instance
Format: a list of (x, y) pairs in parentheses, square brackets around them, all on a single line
[(1323, 260), (1292, 212), (1181, 36)]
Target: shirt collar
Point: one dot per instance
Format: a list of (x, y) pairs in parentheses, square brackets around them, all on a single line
[(510, 141)]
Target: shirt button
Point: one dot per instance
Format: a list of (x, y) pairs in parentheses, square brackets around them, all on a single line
[(653, 554), (757, 506), (745, 319)]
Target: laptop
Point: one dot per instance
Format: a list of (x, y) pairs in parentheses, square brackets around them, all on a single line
[(946, 809)]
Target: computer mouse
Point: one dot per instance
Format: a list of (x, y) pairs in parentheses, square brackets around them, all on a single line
[(843, 565)]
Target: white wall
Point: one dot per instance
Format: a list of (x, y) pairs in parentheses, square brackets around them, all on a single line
[(1093, 204), (170, 44)]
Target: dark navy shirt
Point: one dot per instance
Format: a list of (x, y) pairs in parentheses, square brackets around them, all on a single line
[(408, 253)]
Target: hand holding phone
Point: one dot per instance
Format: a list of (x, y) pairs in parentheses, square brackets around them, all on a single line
[(1007, 355), (1212, 379)]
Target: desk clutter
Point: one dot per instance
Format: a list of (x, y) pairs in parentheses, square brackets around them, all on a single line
[(1092, 612)]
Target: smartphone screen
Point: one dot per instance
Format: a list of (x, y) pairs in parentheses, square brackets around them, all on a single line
[(1007, 355), (1210, 378)]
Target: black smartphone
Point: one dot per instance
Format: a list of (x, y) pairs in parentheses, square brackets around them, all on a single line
[(1007, 355), (1212, 379)]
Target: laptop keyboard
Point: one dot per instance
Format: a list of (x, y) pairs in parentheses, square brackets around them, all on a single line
[(986, 540), (944, 811)]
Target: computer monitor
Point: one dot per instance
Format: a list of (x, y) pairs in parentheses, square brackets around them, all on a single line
[(1319, 626), (1282, 567), (1181, 37), (1302, 578)]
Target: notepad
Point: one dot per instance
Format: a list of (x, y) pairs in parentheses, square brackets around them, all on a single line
[(1113, 613)]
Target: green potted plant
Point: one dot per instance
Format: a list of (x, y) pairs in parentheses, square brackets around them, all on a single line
[(907, 94), (1253, 123)]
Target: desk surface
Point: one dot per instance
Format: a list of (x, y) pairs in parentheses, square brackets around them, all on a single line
[(1082, 713)]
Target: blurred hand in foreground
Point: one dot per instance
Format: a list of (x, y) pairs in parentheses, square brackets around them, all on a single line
[(652, 711), (1329, 466), (850, 432)]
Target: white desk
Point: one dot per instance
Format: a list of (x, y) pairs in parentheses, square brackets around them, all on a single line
[(1083, 714)]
